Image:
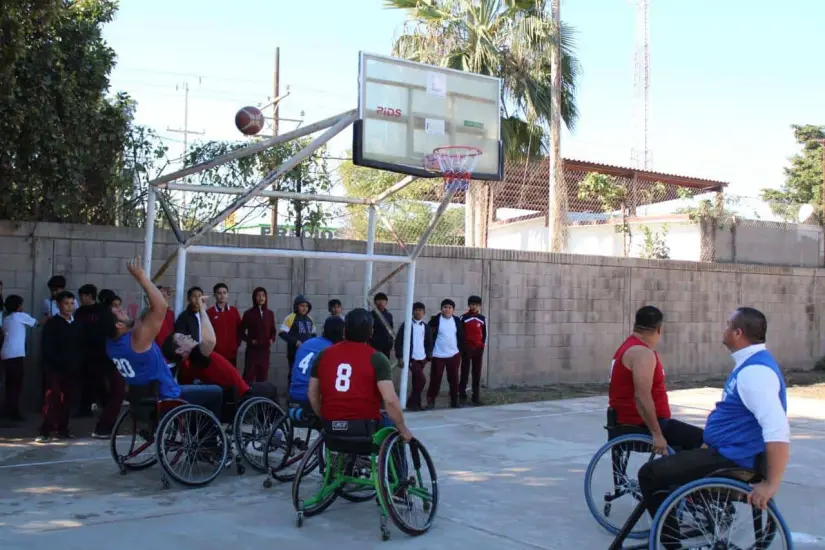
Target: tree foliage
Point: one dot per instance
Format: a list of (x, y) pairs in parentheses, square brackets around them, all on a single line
[(406, 211), (654, 245), (510, 39), (803, 178), (62, 136)]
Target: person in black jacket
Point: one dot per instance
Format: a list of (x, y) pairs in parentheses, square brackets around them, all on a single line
[(188, 322), (421, 351), (62, 362), (382, 331), (448, 345)]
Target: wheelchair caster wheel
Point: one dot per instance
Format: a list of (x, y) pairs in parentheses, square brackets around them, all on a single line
[(267, 483), (241, 469), (165, 482), (385, 529), (299, 519), (607, 507)]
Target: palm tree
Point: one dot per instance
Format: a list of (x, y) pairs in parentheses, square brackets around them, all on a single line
[(510, 39)]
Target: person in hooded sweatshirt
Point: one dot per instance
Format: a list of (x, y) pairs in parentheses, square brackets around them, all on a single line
[(297, 329), (258, 331)]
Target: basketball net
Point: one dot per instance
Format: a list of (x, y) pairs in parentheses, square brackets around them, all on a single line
[(456, 163)]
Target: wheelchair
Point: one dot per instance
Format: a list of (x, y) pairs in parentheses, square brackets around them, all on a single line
[(189, 439), (623, 442), (703, 514), (289, 439), (357, 461)]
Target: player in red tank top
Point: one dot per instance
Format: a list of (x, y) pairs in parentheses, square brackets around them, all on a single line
[(638, 393), (350, 379)]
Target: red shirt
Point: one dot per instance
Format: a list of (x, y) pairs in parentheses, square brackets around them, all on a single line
[(212, 370), (347, 380), (167, 328), (622, 392), (227, 325)]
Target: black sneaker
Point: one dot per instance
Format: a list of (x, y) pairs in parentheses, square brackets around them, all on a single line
[(430, 406), (463, 400), (101, 435), (42, 439), (64, 435), (453, 403), (413, 407)]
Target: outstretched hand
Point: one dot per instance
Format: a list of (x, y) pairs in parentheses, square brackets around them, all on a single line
[(204, 302), (135, 267)]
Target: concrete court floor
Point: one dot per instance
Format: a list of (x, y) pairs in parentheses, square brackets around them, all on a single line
[(510, 477)]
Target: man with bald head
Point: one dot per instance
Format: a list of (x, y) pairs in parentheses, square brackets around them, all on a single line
[(747, 429)]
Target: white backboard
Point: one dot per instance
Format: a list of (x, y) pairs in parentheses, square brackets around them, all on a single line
[(407, 109)]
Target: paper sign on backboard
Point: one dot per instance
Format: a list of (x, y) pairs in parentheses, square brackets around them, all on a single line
[(407, 109)]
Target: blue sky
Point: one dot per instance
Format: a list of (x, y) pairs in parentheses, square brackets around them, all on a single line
[(727, 77)]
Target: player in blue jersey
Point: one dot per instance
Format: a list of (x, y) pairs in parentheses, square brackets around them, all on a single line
[(747, 429), (132, 348), (302, 367)]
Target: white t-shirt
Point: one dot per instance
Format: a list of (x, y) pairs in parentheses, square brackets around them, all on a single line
[(418, 351), (446, 345), (50, 307), (14, 328)]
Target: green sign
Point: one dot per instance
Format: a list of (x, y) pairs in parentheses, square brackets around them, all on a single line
[(472, 124)]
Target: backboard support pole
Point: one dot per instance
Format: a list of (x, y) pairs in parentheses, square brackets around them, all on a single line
[(406, 350), (370, 251)]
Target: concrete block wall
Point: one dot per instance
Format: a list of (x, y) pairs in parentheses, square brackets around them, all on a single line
[(552, 317)]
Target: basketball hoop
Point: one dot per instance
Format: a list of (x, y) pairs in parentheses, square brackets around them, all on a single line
[(456, 163)]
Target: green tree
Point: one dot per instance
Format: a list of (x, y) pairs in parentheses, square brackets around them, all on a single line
[(612, 196), (509, 39), (803, 178), (654, 246), (62, 134), (408, 211)]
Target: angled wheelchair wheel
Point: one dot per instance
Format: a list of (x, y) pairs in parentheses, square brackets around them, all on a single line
[(360, 467), (312, 489), (611, 485), (407, 484), (714, 513), (132, 443), (252, 428), (191, 445), (286, 448)]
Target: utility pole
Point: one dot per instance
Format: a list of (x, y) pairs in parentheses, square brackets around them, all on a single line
[(276, 93), (185, 130), (557, 196)]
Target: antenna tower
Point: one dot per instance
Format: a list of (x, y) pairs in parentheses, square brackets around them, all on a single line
[(640, 154)]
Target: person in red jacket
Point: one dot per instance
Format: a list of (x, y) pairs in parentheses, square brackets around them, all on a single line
[(226, 321), (258, 331), (168, 326), (475, 338)]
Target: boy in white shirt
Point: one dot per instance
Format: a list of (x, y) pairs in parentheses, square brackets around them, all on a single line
[(448, 344), (13, 353)]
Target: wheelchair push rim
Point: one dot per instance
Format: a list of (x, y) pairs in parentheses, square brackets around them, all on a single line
[(625, 486), (252, 428), (710, 512), (136, 449), (314, 461), (286, 449), (191, 445), (402, 486)]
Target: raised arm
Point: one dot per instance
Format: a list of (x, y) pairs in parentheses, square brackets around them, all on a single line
[(147, 328), (208, 338)]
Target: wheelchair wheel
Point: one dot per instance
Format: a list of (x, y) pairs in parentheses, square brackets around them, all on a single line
[(191, 445), (286, 448), (252, 428), (714, 513), (399, 486), (611, 487), (136, 440), (358, 466), (315, 478)]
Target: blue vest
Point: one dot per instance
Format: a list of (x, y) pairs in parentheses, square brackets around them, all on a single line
[(302, 367), (732, 429), (140, 369)]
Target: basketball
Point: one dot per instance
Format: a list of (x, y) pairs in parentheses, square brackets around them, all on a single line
[(249, 121)]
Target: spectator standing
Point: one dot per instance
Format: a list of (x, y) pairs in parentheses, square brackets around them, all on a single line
[(189, 320), (297, 328), (475, 337), (90, 379), (335, 308), (258, 331), (226, 321), (383, 328), (448, 343), (62, 360), (421, 351), (13, 353), (168, 326), (56, 284)]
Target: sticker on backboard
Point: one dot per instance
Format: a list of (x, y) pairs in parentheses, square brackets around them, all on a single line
[(434, 126), (437, 84)]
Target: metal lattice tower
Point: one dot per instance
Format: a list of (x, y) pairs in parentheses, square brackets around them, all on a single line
[(640, 154)]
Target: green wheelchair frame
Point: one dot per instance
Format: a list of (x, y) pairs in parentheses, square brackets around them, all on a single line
[(342, 477)]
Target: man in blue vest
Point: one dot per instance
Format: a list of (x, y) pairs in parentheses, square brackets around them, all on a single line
[(747, 429), (309, 350)]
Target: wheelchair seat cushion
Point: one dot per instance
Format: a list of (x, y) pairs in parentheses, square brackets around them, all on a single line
[(741, 474), (350, 436)]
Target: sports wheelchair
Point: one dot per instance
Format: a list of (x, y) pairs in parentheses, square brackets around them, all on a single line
[(359, 461), (701, 514), (190, 442), (289, 439)]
